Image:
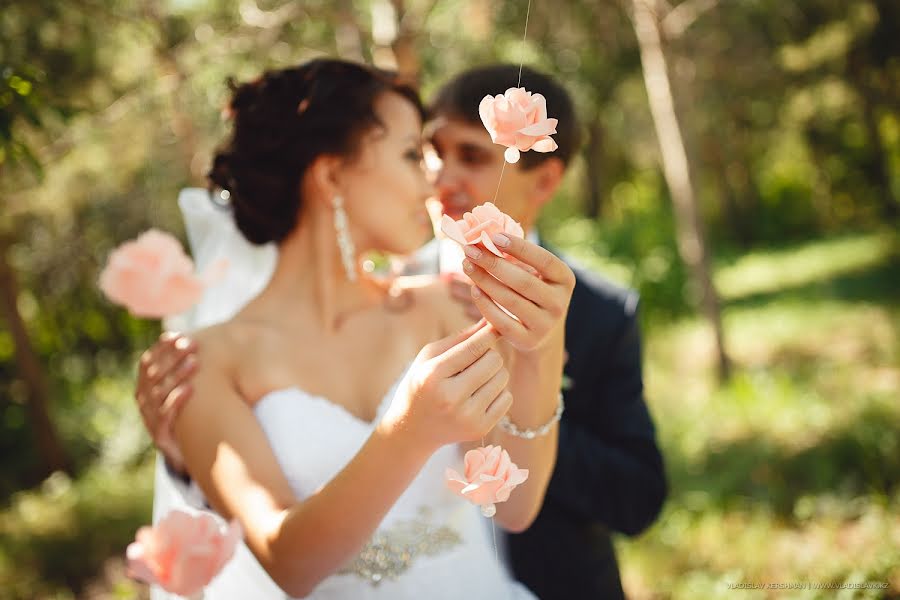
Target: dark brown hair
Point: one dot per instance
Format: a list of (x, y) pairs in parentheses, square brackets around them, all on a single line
[(459, 98), (283, 121)]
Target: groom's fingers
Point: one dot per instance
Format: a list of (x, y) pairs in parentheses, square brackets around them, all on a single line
[(175, 401), (175, 388), (161, 361)]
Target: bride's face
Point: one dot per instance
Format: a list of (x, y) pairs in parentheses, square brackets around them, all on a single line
[(385, 187)]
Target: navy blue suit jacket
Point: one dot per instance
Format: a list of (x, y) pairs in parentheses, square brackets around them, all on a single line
[(609, 474)]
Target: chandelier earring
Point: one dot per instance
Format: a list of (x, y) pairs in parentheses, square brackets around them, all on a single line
[(344, 241)]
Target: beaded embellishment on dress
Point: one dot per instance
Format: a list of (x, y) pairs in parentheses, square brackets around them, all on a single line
[(389, 553)]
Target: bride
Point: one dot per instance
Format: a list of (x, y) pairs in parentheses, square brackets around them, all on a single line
[(324, 414)]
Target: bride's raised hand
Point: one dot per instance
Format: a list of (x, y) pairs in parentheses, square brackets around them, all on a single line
[(455, 390), (538, 294)]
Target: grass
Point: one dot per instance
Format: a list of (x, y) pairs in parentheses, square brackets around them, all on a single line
[(788, 473), (66, 539)]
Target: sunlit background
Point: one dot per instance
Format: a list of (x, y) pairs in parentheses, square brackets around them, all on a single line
[(782, 442)]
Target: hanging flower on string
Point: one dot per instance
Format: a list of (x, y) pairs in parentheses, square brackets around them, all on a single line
[(153, 277), (478, 226), (183, 552), (490, 476), (518, 120)]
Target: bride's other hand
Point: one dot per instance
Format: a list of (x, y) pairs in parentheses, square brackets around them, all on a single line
[(456, 390), (163, 387), (538, 293)]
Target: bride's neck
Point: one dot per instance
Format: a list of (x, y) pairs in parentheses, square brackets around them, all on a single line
[(310, 280)]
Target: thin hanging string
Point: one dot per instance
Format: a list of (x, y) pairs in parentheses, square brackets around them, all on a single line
[(518, 84), (525, 35), (496, 192)]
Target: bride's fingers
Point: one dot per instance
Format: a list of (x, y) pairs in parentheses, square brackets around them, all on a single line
[(443, 345), (466, 352), (478, 373), (524, 309), (513, 276), (499, 407), (504, 324), (550, 266), (487, 393)]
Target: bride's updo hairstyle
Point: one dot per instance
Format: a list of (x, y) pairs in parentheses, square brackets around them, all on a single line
[(282, 122)]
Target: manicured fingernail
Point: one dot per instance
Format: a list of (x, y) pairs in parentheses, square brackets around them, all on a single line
[(468, 267), (182, 343), (476, 292), (500, 239), (472, 252)]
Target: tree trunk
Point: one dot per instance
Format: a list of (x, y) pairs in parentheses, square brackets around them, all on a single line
[(691, 243), (878, 159), (347, 33), (182, 123), (594, 168), (173, 76), (719, 152), (50, 450), (394, 36)]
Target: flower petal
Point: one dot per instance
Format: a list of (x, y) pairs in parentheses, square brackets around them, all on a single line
[(452, 230), (545, 127), (488, 243), (545, 145)]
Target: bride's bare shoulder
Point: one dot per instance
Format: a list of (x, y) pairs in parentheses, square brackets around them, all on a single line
[(433, 296), (228, 340)]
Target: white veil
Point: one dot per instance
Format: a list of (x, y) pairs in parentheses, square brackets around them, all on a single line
[(213, 237)]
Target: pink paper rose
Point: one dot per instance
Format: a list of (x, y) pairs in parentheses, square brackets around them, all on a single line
[(183, 552), (490, 477), (153, 277), (479, 225), (518, 120)]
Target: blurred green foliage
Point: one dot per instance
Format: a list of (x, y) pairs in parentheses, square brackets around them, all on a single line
[(791, 121), (790, 472)]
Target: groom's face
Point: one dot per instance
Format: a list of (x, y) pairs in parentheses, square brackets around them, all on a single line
[(469, 169)]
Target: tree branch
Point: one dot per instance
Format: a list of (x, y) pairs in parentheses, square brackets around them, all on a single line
[(683, 16), (254, 16)]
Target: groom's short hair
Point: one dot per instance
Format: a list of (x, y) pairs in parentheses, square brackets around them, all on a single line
[(459, 98)]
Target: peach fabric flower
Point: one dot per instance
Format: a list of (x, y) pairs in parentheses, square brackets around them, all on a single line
[(490, 477), (153, 277), (479, 225), (518, 120), (183, 552)]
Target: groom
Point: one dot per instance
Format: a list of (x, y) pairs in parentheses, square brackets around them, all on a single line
[(609, 473)]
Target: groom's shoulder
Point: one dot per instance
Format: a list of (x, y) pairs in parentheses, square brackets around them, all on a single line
[(596, 296)]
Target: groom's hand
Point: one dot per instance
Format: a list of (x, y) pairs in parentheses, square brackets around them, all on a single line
[(163, 387)]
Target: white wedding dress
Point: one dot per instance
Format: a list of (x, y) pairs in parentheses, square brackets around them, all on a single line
[(431, 544)]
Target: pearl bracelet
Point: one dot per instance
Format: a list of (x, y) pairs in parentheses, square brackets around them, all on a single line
[(529, 434)]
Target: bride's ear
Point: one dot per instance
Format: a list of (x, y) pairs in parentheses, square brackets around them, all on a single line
[(324, 175)]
